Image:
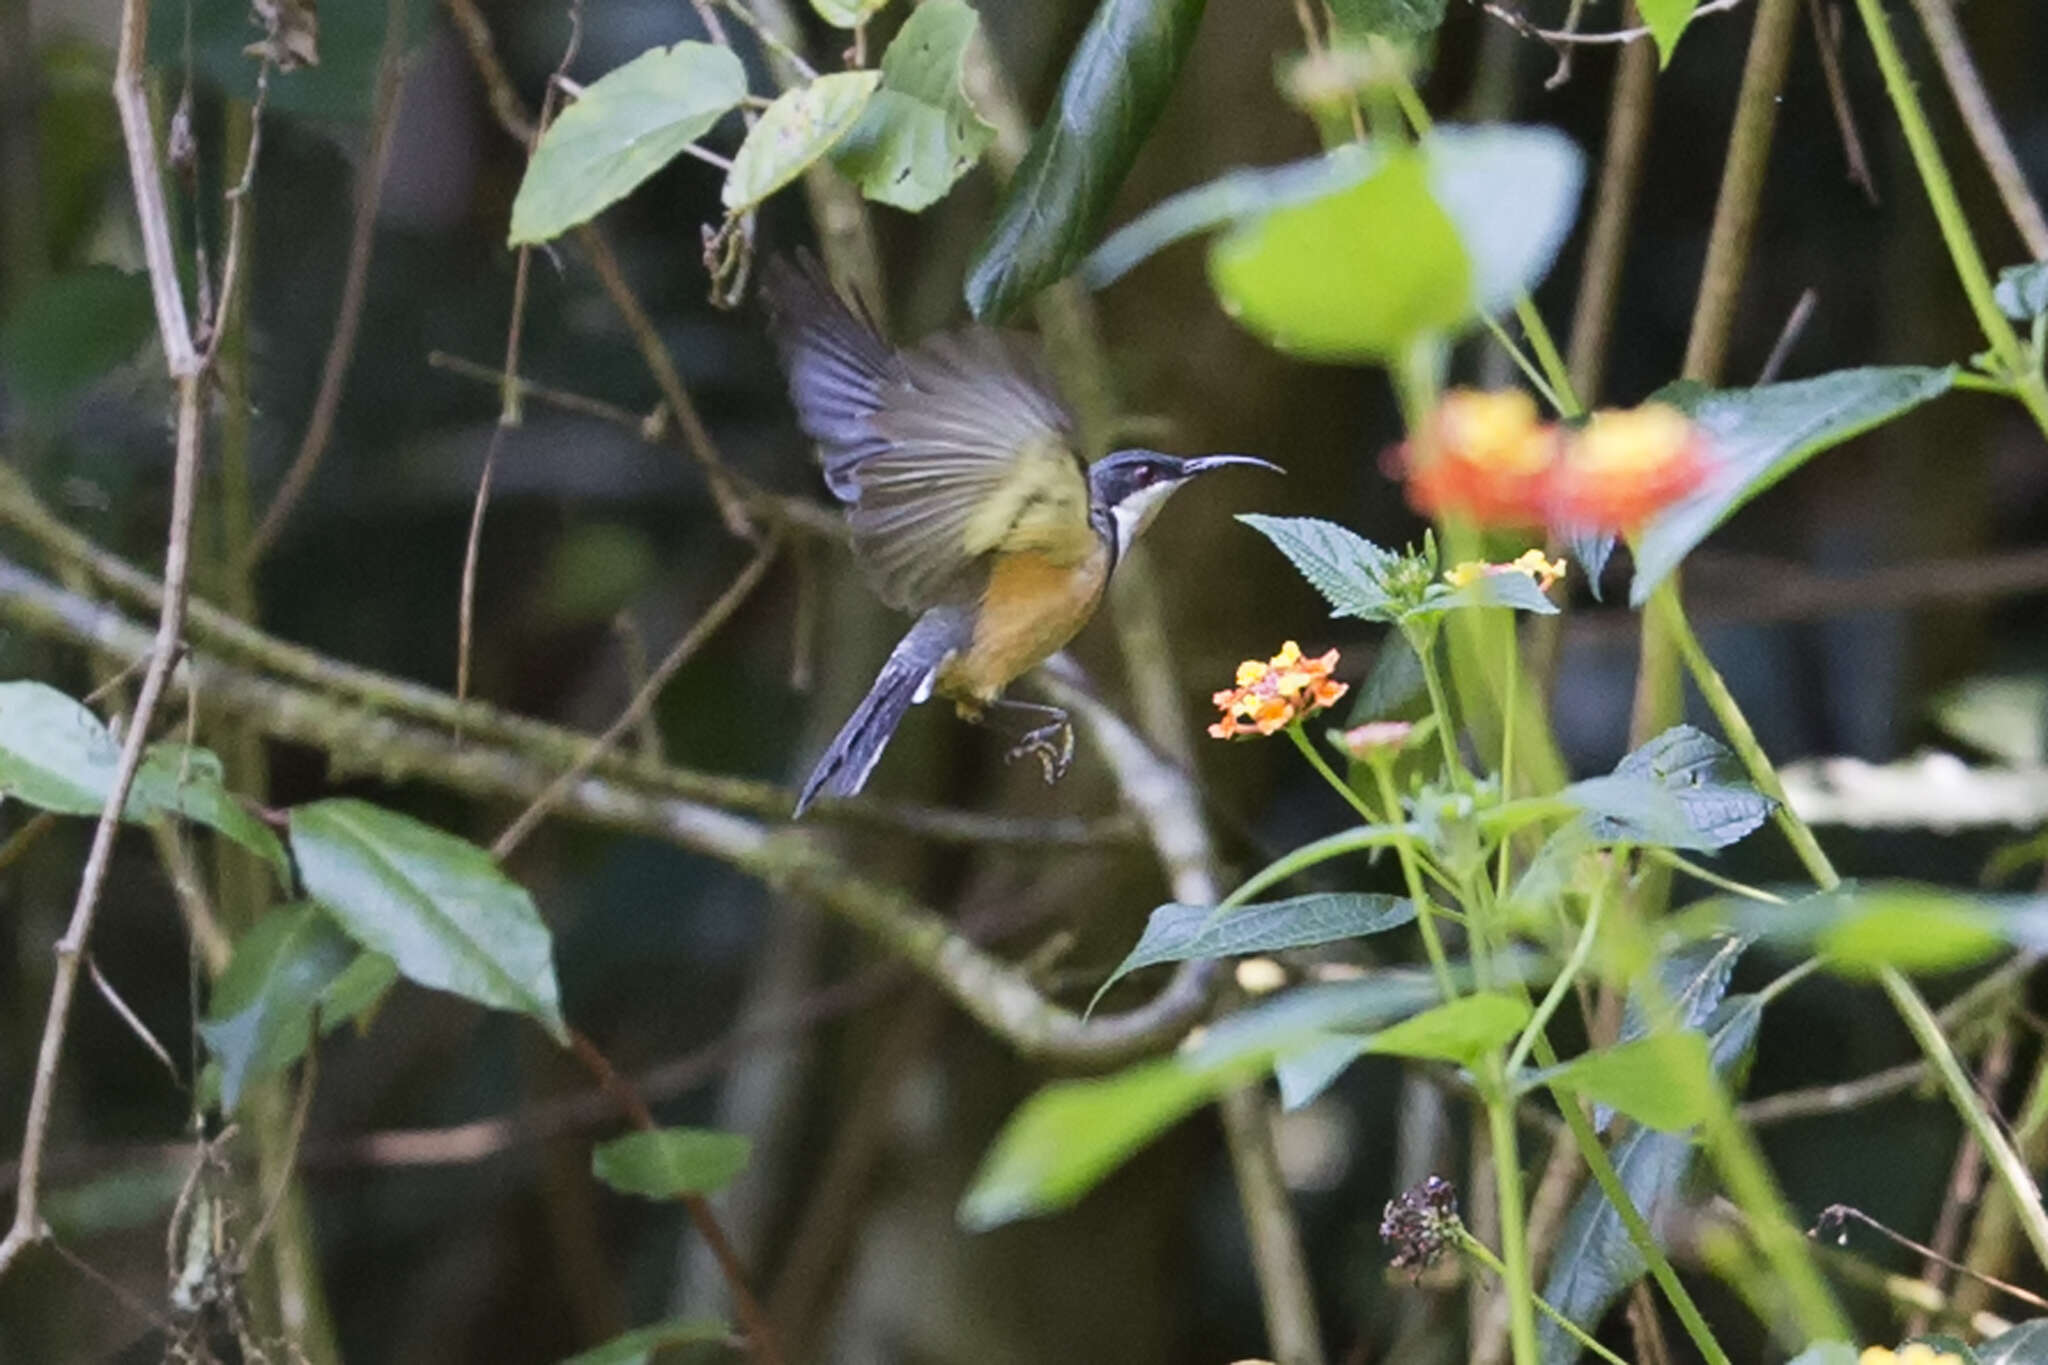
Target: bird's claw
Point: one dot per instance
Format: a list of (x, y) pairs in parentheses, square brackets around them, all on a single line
[(1052, 745)]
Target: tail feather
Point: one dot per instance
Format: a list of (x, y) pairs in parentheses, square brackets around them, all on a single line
[(904, 682)]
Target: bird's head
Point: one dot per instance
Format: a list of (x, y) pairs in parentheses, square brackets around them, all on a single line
[(1132, 485)]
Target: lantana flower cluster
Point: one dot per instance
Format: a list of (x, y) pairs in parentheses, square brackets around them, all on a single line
[(1543, 571), (1272, 693), (1912, 1353), (1489, 458)]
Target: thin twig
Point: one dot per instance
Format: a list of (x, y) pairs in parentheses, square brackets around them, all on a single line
[(1833, 1216), (1621, 177), (707, 625), (1558, 37), (341, 344), (1945, 36), (138, 133), (1795, 327), (132, 1020), (294, 1136), (1966, 1177), (216, 326), (1827, 36)]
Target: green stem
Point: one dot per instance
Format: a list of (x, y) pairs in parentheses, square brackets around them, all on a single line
[(1425, 912), (2027, 381), (1568, 404), (1561, 987), (1514, 1234), (1710, 877), (1446, 732), (1507, 743), (1483, 1254), (1527, 366), (1337, 784), (1319, 851)]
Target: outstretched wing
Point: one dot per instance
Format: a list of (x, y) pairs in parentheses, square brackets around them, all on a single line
[(943, 453)]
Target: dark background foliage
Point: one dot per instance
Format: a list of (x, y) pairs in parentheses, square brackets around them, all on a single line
[(870, 1100)]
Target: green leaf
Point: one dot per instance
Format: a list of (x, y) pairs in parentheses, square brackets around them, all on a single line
[(435, 904), (56, 755), (1596, 1261), (1694, 979), (1342, 565), (1179, 933), (2024, 1343), (71, 330), (920, 132), (2005, 717), (1309, 1070), (625, 126), (1063, 1140), (847, 13), (1515, 591), (1403, 19), (1639, 1078), (1461, 1030), (1758, 436), (801, 126), (1666, 20), (1864, 928), (290, 963), (670, 1162), (1427, 241), (1683, 789), (1826, 1353), (638, 1346), (1114, 87), (1228, 199), (2022, 292)]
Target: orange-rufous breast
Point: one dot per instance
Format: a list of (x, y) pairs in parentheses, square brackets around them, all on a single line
[(1032, 606)]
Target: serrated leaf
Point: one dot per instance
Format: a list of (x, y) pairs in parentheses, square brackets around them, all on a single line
[(847, 13), (1071, 1134), (434, 904), (801, 126), (625, 126), (1228, 199), (1683, 789), (1461, 1031), (670, 1162), (1342, 565), (2022, 292), (1694, 978), (1515, 591), (2024, 1343), (920, 133), (70, 330), (1666, 19), (1402, 19), (1640, 1079), (1596, 1260), (638, 1346), (56, 755), (1178, 933), (1114, 87), (289, 965), (1755, 437)]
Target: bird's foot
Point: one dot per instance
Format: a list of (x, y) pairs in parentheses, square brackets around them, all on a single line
[(1052, 745)]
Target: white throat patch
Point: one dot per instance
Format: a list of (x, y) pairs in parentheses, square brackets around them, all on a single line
[(1135, 513)]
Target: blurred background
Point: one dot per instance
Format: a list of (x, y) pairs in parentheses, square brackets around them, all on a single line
[(869, 1098)]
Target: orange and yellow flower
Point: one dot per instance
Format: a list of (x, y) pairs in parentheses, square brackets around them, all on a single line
[(1272, 693), (1488, 459), (1913, 1353), (1543, 570)]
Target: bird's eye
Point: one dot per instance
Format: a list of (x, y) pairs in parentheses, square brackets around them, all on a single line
[(1144, 474)]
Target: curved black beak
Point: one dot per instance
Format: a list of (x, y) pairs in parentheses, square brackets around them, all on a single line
[(1202, 464)]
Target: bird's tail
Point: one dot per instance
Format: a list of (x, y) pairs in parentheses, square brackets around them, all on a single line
[(904, 682)]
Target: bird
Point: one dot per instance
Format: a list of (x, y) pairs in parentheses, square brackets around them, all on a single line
[(968, 504)]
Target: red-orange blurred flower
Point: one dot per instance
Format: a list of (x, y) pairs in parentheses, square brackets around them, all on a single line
[(1623, 467), (1270, 693), (1485, 458)]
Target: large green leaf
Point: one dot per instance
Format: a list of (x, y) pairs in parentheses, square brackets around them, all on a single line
[(1345, 567), (1682, 789), (1115, 84), (669, 1162), (1461, 1030), (56, 755), (920, 132), (1071, 1134), (625, 126), (1758, 436), (71, 330), (434, 904), (1405, 19), (1596, 1260), (1178, 933), (1423, 244), (1666, 20), (638, 1346), (1640, 1078), (847, 13), (2024, 1343), (291, 963), (1863, 928), (801, 126)]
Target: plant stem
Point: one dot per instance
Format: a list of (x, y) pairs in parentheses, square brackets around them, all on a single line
[(2030, 387), (1559, 988), (1514, 1241), (1711, 877), (1404, 848), (1483, 1254), (1446, 731), (1533, 327), (1323, 770)]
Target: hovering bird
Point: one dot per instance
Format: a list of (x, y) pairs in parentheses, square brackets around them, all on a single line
[(969, 506)]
